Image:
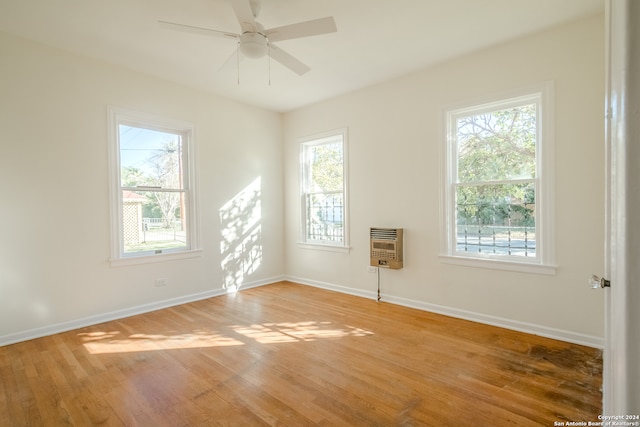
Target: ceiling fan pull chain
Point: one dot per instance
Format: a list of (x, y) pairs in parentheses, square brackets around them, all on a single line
[(238, 62), (269, 55)]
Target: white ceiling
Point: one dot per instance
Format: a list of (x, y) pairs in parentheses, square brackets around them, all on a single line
[(377, 40)]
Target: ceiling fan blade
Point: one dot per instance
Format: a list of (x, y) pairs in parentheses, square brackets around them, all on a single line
[(302, 29), (287, 60), (197, 30), (244, 13)]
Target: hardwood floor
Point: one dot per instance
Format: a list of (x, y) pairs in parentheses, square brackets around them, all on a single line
[(292, 355)]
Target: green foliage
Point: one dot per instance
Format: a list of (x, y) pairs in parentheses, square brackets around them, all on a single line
[(502, 204), (131, 176), (327, 167), (324, 184), (497, 146)]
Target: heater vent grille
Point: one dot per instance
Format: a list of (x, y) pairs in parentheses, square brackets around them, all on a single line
[(384, 233), (386, 247)]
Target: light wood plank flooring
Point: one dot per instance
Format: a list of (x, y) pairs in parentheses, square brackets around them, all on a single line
[(292, 355)]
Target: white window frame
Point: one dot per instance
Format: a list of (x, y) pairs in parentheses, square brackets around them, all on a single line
[(544, 261), (339, 135), (116, 117)]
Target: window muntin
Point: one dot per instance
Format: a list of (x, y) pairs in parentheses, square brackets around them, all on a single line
[(495, 190), (324, 190), (153, 199)]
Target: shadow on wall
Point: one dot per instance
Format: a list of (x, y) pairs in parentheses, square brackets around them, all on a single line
[(241, 236)]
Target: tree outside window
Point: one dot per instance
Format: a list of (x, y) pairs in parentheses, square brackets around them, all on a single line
[(495, 178), (496, 187), (151, 167), (323, 190), (155, 209)]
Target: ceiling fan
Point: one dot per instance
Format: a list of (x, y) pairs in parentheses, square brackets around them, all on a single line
[(255, 41)]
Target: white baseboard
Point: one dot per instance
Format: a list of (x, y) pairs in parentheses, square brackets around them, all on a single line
[(529, 328), (333, 287), (120, 314)]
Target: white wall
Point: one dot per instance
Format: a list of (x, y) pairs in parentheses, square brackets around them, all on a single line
[(54, 214), (399, 123)]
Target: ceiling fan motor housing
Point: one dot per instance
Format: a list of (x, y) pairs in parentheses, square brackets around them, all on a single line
[(253, 45)]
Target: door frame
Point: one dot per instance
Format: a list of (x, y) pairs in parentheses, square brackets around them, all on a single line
[(620, 383)]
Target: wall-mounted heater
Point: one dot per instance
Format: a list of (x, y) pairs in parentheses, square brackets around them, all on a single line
[(386, 247)]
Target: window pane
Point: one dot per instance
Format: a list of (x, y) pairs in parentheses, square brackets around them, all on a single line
[(496, 219), (150, 158), (325, 217), (326, 172), (498, 145), (153, 220)]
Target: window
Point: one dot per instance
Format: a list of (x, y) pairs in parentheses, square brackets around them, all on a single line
[(152, 186), (499, 182), (324, 210)]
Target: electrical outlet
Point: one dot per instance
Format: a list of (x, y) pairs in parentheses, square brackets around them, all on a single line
[(161, 282), (372, 269)]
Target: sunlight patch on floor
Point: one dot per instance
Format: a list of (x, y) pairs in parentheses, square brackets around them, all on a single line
[(110, 343), (269, 333), (265, 333)]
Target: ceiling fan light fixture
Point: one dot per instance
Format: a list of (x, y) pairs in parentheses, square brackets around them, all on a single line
[(253, 45)]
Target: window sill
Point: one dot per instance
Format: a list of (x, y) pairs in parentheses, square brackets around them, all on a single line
[(149, 259), (522, 267), (324, 247)]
